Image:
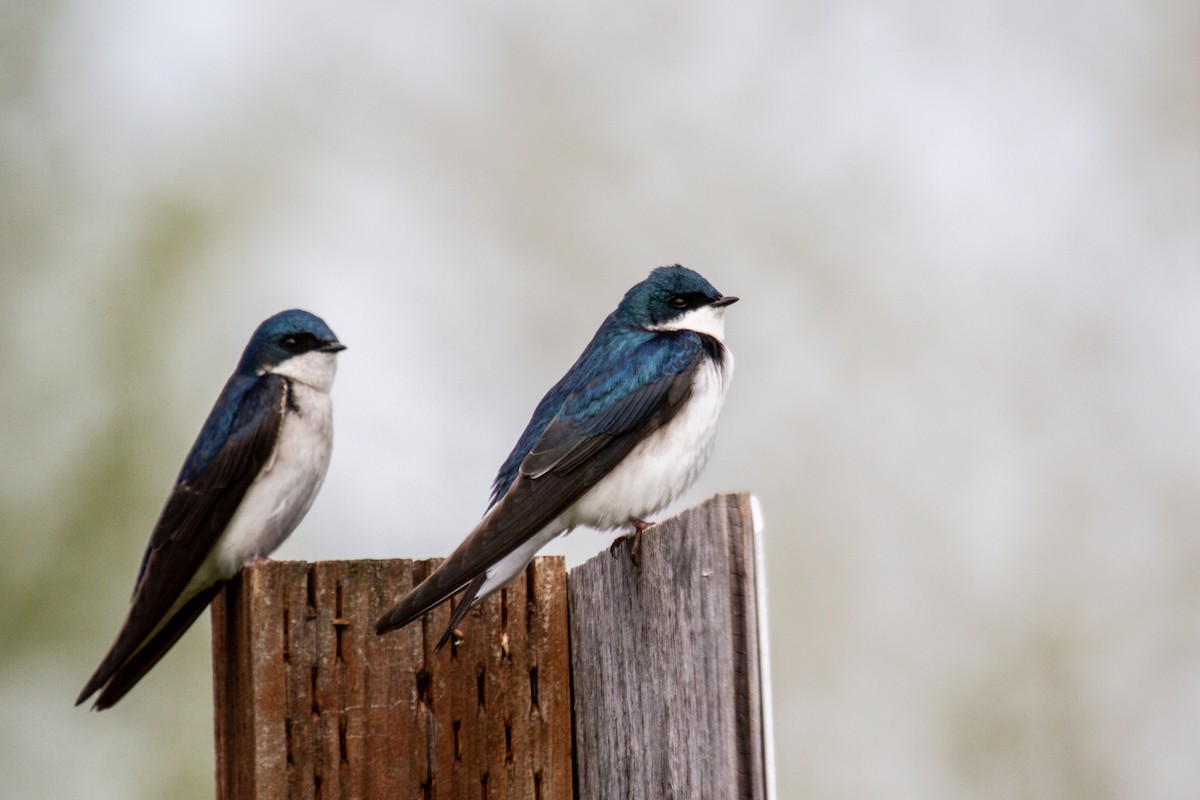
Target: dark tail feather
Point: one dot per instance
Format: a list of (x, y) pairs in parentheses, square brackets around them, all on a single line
[(464, 605), (416, 604), (119, 679), (103, 673)]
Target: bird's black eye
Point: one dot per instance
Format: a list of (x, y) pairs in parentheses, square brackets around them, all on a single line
[(297, 343), (679, 301)]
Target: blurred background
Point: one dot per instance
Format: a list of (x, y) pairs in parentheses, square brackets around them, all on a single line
[(966, 238)]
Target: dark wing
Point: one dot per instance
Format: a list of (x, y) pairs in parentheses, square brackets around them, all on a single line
[(581, 445), (134, 668), (204, 499)]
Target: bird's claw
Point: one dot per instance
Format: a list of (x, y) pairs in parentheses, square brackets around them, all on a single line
[(617, 542), (634, 539)]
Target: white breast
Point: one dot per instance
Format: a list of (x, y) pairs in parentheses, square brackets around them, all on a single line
[(666, 464), (283, 492)]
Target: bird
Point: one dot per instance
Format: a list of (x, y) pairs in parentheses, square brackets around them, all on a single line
[(248, 480), (626, 430)]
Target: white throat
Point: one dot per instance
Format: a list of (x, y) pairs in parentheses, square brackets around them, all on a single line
[(708, 320), (314, 368)]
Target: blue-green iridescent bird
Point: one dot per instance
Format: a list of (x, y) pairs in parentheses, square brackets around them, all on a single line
[(625, 432)]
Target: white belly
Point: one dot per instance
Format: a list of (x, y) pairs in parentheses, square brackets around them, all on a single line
[(665, 465), (283, 492)]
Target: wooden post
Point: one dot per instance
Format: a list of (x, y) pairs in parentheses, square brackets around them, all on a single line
[(310, 703), (666, 673), (664, 667)]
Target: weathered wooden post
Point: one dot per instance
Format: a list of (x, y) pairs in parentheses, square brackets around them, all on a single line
[(668, 678), (310, 703), (667, 674)]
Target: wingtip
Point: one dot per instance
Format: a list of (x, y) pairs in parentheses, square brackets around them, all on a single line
[(390, 621), (112, 692), (89, 689), (99, 705)]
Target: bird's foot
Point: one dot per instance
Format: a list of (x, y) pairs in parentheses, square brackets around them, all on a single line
[(634, 539)]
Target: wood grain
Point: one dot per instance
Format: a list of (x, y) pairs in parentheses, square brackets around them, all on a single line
[(310, 703), (665, 667)]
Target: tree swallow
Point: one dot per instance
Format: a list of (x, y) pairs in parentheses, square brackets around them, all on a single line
[(246, 484), (626, 431)]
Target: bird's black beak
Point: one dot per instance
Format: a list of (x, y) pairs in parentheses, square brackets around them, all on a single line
[(724, 301), (332, 347)]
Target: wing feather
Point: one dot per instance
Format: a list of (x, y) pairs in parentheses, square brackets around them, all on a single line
[(206, 495), (588, 437)]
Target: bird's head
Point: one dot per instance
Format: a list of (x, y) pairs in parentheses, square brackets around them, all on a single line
[(675, 298), (295, 344)]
